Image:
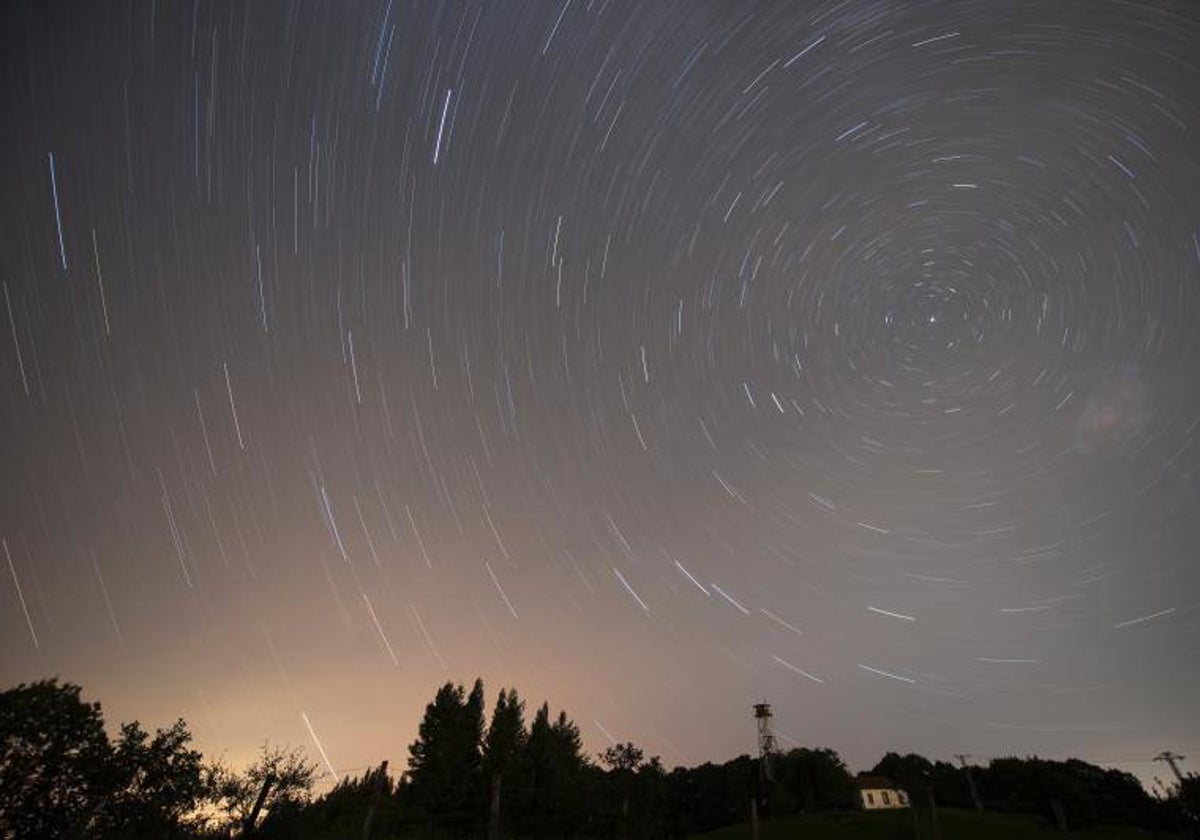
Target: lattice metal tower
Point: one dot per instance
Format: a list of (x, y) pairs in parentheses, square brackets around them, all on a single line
[(766, 738)]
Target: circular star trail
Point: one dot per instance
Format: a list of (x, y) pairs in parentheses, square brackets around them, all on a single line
[(654, 358)]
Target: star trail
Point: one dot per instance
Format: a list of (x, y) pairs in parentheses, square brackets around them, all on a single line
[(656, 358)]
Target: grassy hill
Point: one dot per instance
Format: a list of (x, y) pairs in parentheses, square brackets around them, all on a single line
[(898, 825)]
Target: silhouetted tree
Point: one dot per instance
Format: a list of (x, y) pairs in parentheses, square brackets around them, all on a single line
[(1086, 794), (554, 766), (650, 807), (703, 798), (62, 777), (911, 772), (502, 749), (950, 785), (622, 758), (292, 778), (568, 766), (156, 786), (623, 761), (1117, 797), (1184, 802), (445, 762), (813, 780), (1034, 786), (357, 808), (53, 754)]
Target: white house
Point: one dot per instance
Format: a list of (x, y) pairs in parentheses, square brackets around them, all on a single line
[(879, 792)]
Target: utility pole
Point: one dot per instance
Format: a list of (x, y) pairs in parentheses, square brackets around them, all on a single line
[(1170, 758), (962, 759)]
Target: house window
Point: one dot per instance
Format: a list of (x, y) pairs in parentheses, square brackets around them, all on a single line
[(903, 799), (870, 799), (886, 799)]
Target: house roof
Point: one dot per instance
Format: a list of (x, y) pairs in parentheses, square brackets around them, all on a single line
[(866, 781)]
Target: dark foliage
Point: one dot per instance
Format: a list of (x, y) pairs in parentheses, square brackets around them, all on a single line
[(1086, 795), (911, 772), (1185, 801), (812, 780), (53, 760), (62, 777), (445, 763), (463, 783), (503, 751), (710, 796), (551, 802), (292, 777), (154, 785), (357, 806)]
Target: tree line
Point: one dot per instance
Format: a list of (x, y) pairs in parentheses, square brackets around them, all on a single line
[(1069, 794), (471, 776), (61, 776)]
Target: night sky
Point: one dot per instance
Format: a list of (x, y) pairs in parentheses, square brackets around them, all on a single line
[(655, 358)]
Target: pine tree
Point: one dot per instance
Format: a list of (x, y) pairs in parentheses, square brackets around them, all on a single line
[(472, 752), (554, 763), (569, 764), (536, 808), (445, 762), (501, 749)]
